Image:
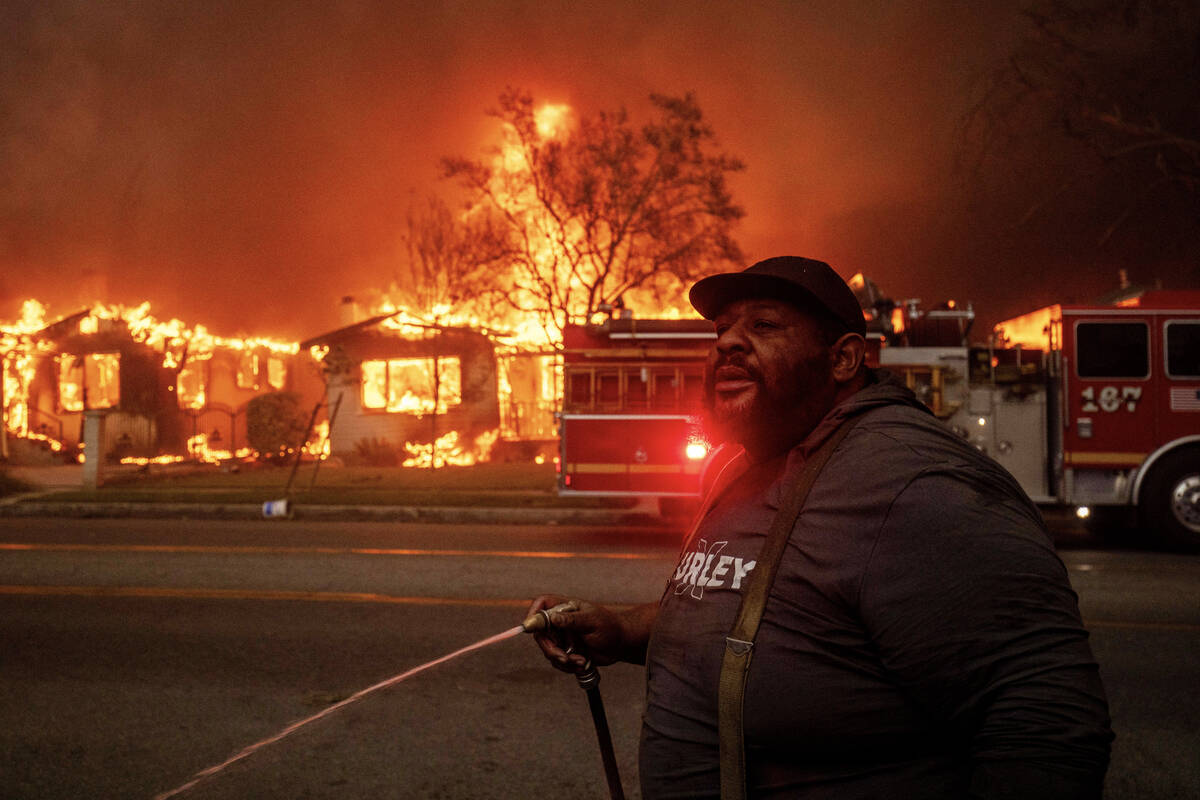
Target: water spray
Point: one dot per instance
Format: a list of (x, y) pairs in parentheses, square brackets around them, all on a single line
[(589, 680), (295, 726)]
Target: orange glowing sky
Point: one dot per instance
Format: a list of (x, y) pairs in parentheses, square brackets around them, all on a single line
[(246, 164)]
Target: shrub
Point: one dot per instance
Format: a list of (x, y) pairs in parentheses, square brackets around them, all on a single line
[(275, 424)]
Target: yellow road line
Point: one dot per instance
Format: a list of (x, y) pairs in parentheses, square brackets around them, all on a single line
[(304, 550), (254, 594)]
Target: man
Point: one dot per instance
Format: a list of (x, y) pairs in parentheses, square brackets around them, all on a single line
[(920, 640)]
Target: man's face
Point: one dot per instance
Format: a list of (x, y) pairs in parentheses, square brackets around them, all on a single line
[(769, 376)]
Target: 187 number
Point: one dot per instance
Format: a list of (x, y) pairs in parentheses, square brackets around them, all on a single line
[(1111, 398)]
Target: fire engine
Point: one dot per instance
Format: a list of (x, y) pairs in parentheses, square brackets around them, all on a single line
[(1088, 406), (632, 390), (1091, 405)]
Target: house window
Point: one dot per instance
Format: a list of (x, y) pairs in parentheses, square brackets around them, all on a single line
[(190, 385), (90, 381), (407, 385), (1112, 349), (1183, 349), (247, 370), (276, 372)]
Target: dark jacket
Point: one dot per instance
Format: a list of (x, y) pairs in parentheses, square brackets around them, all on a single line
[(921, 638)]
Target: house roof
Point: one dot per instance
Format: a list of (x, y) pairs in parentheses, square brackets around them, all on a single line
[(65, 326), (366, 328), (339, 334)]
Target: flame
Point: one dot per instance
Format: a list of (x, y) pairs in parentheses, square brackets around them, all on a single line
[(172, 337), (449, 451), (552, 119), (199, 450), (19, 351), (1033, 330), (54, 445), (319, 446), (552, 249), (406, 385), (89, 381), (189, 385)]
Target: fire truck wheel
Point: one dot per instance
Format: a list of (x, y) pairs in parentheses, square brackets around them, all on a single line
[(1170, 502)]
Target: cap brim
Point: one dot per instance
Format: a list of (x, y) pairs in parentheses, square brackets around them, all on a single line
[(710, 295)]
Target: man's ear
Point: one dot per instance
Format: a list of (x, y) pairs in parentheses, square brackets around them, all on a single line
[(848, 353)]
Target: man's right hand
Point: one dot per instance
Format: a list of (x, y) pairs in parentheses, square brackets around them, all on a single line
[(583, 631)]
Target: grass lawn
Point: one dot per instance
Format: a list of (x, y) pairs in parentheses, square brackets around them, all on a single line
[(524, 485), (10, 485)]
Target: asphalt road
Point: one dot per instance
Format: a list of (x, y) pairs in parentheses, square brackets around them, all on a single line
[(136, 653)]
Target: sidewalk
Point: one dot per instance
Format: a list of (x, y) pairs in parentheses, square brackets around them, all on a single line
[(52, 479), (30, 507)]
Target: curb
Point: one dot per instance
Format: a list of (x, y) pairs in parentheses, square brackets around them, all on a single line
[(431, 514)]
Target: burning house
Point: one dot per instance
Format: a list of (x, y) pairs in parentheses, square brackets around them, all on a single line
[(164, 389), (409, 393), (392, 388)]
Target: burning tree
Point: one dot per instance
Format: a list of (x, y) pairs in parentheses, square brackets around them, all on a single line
[(450, 276), (597, 211), (449, 272)]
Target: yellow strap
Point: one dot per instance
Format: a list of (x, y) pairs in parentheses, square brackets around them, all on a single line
[(739, 644)]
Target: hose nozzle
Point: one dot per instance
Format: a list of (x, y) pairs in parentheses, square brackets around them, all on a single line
[(540, 620)]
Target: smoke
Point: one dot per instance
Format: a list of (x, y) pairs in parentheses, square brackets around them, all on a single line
[(245, 165)]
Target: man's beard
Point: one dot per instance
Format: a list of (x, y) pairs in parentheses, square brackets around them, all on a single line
[(774, 404)]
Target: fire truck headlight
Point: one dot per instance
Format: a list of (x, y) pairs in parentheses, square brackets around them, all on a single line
[(696, 451), (1083, 512)]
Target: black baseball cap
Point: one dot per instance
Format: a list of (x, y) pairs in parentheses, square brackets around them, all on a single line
[(804, 281)]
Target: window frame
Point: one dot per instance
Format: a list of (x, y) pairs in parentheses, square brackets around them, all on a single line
[(651, 401), (387, 381), (86, 363)]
